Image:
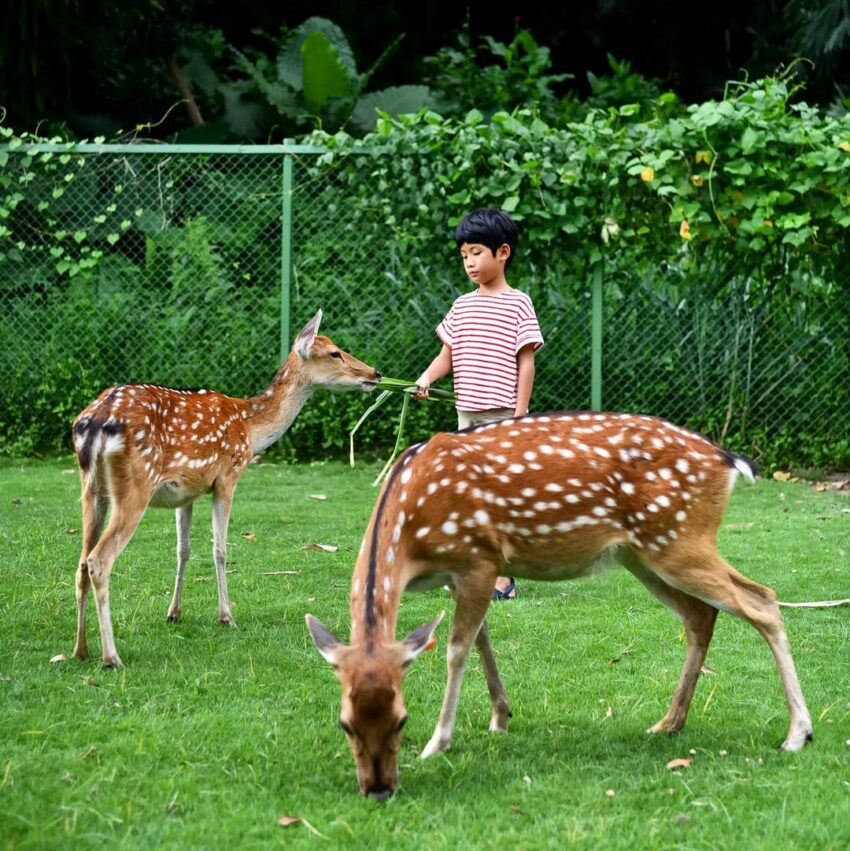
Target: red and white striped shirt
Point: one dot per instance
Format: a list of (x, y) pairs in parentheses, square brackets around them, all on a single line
[(485, 334)]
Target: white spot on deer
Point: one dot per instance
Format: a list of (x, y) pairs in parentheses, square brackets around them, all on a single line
[(516, 468), (576, 483), (529, 456), (681, 515), (601, 452), (665, 473), (571, 497), (543, 529), (481, 517), (663, 500), (422, 531), (627, 488), (387, 583), (432, 487), (553, 488), (599, 511), (652, 507), (528, 493), (405, 476), (449, 527), (682, 465), (545, 449)]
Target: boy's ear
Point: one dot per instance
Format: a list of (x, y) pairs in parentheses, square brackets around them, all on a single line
[(504, 251)]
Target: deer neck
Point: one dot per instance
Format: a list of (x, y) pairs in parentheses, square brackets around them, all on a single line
[(271, 413), (375, 597)]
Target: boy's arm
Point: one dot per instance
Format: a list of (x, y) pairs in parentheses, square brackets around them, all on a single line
[(439, 367), (525, 379)]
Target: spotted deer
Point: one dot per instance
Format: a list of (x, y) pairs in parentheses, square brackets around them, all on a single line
[(544, 497), (142, 444)]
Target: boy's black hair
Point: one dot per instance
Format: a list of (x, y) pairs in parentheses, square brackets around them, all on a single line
[(488, 227)]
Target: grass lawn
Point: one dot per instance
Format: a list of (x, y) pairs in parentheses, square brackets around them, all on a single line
[(210, 735)]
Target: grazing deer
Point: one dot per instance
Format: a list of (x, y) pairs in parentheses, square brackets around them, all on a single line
[(539, 497), (141, 444)]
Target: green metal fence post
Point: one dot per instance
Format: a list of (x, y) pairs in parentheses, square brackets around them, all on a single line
[(596, 340), (285, 254)]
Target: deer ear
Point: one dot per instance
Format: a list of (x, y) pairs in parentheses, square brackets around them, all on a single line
[(419, 639), (304, 341), (328, 645)]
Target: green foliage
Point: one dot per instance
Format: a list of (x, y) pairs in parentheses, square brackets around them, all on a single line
[(721, 230), (315, 82), (507, 76)]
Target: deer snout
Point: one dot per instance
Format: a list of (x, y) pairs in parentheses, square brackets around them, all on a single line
[(380, 794)]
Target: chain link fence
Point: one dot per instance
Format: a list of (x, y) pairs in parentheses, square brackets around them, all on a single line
[(196, 267)]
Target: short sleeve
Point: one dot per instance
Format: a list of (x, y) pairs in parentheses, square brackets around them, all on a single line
[(528, 329), (444, 329)]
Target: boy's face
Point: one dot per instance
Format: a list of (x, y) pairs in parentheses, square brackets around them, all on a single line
[(482, 266)]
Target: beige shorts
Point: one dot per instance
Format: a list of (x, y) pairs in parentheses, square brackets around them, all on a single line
[(465, 419)]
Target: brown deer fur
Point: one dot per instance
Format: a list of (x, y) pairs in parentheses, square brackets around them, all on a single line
[(539, 497), (141, 444)]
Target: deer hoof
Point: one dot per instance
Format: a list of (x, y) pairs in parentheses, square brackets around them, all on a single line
[(435, 746), (112, 662), (796, 742), (173, 617)]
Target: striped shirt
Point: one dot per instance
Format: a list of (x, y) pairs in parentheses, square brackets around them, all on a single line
[(485, 333)]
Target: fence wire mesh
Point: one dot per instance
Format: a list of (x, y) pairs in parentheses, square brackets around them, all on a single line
[(173, 268)]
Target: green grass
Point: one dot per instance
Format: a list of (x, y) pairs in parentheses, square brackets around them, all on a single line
[(209, 735)]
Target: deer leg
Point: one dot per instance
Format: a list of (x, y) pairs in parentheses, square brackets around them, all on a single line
[(472, 596), (714, 581), (184, 532), (698, 619), (122, 524), (500, 706), (222, 501), (94, 512)]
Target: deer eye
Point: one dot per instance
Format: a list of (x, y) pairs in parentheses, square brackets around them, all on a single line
[(400, 725), (346, 728), (336, 354)]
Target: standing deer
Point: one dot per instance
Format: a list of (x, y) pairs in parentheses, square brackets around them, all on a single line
[(546, 497), (141, 444)]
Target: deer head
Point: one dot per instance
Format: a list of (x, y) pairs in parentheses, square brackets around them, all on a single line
[(372, 714)]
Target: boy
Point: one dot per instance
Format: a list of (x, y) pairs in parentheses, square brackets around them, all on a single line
[(489, 336)]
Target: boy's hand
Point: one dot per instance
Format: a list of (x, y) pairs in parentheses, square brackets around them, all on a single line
[(423, 383)]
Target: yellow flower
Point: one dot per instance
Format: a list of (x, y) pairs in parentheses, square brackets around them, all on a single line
[(685, 230), (647, 174)]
